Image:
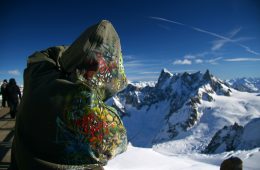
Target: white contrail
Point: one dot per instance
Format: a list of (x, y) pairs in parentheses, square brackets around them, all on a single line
[(163, 19), (242, 59), (234, 32), (211, 33), (248, 49)]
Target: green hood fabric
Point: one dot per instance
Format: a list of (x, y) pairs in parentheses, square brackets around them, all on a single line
[(97, 59), (63, 122)]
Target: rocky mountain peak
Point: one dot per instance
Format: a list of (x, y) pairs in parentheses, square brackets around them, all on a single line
[(163, 78), (207, 76)]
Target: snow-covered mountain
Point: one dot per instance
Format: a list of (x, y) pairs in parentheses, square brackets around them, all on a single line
[(143, 83), (251, 85), (182, 112), (236, 137)]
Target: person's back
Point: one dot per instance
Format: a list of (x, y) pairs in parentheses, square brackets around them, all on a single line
[(63, 122), (13, 92)]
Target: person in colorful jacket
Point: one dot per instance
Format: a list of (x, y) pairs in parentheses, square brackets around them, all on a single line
[(63, 122)]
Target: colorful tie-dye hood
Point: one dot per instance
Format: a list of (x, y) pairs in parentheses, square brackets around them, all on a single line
[(63, 122), (97, 60)]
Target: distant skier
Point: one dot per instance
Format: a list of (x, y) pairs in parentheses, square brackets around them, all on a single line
[(4, 93), (13, 92), (63, 121)]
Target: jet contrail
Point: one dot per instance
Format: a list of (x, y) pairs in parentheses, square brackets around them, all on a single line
[(166, 20), (248, 49)]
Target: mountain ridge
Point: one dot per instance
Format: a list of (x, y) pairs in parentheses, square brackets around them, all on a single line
[(251, 85), (182, 109)]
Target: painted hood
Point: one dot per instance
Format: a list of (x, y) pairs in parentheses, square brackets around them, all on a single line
[(95, 59)]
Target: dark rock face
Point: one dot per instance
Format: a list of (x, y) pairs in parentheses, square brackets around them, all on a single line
[(235, 137), (207, 97), (207, 76), (163, 78), (226, 139)]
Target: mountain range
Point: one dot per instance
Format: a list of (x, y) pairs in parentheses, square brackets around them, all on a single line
[(188, 113), (251, 85)]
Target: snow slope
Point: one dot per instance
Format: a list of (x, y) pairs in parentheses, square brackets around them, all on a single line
[(146, 159), (250, 137), (147, 123)]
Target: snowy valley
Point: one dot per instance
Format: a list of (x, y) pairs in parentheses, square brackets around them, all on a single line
[(187, 121)]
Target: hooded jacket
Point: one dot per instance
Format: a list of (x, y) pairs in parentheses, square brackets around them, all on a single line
[(63, 122)]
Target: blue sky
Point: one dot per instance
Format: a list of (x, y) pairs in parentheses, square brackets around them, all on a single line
[(219, 35)]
